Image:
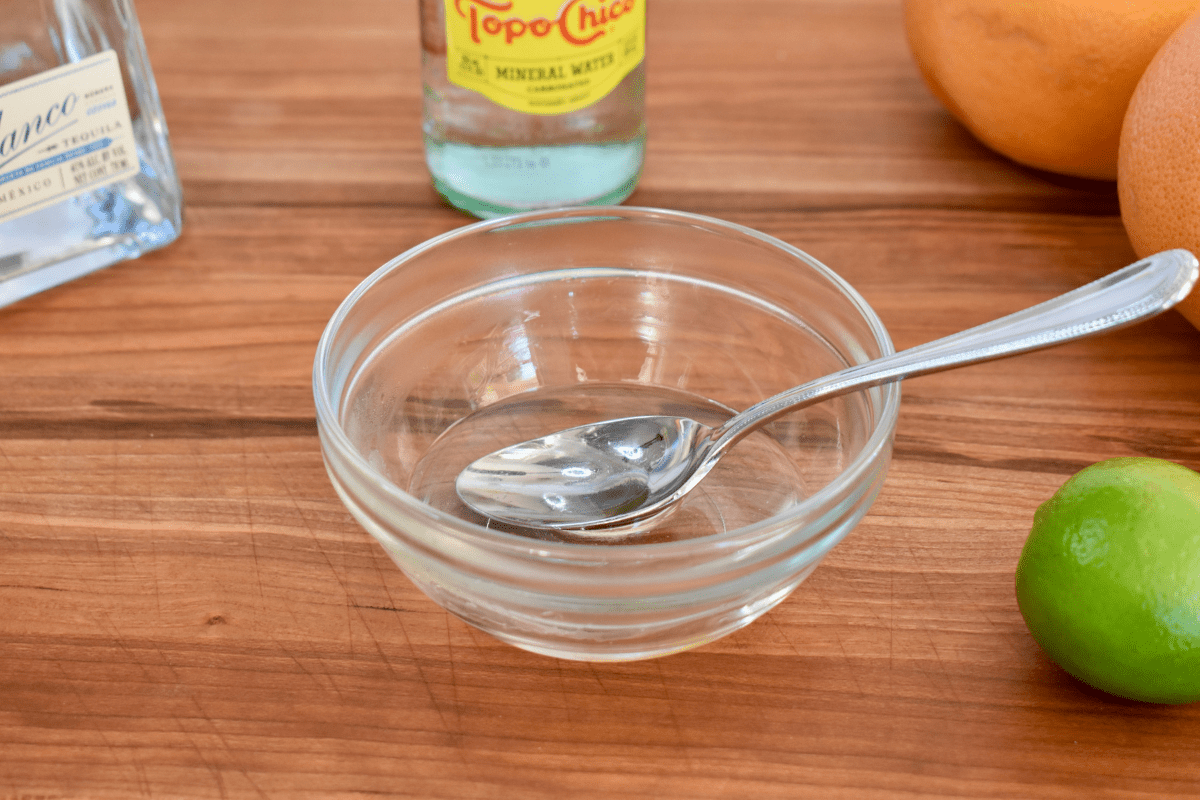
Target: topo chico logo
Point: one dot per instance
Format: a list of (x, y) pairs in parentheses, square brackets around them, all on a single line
[(543, 56), (577, 22)]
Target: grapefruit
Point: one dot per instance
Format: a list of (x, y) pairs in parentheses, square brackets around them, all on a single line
[(1158, 176), (1044, 82)]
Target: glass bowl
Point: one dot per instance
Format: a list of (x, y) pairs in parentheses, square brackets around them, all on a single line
[(516, 327)]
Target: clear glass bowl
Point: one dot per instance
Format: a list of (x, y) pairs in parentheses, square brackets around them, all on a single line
[(516, 327)]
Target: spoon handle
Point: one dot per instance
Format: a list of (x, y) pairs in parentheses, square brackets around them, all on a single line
[(1129, 295)]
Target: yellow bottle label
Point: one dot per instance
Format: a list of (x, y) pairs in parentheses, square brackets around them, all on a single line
[(543, 56)]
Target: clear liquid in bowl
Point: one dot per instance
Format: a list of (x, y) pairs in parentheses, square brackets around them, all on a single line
[(757, 479)]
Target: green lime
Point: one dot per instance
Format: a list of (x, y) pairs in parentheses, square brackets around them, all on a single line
[(1109, 579)]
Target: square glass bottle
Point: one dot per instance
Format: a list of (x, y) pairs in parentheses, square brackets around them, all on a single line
[(86, 172)]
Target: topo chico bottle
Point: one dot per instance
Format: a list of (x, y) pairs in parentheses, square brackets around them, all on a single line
[(533, 103), (86, 173)]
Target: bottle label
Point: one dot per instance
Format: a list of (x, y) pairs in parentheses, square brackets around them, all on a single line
[(64, 132), (543, 56)]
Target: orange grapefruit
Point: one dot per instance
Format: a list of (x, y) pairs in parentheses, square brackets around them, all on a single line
[(1044, 82), (1159, 167)]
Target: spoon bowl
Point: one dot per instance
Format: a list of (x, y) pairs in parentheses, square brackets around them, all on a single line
[(569, 480)]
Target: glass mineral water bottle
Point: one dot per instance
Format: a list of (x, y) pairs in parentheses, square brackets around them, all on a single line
[(533, 103), (86, 173)]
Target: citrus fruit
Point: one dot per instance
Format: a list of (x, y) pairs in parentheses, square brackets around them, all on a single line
[(1158, 176), (1109, 579), (1044, 82)]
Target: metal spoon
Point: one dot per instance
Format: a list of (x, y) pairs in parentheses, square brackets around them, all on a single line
[(622, 476)]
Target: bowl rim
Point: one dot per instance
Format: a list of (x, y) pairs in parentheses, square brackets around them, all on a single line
[(332, 431)]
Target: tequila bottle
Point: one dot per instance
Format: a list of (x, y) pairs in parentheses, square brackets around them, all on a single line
[(86, 172)]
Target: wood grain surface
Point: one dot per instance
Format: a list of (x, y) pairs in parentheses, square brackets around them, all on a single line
[(187, 610)]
